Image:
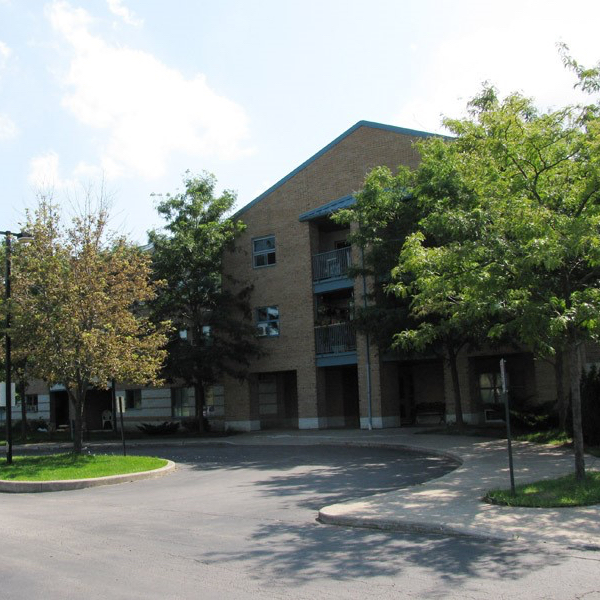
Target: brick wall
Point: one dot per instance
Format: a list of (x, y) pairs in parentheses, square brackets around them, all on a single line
[(288, 284)]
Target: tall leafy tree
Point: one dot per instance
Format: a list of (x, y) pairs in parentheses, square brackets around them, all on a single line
[(213, 330), (532, 256), (404, 313), (78, 312)]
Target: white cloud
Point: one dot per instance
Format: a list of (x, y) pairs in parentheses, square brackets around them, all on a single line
[(512, 54), (8, 129), (44, 173), (148, 110), (117, 8), (86, 172), (5, 52)]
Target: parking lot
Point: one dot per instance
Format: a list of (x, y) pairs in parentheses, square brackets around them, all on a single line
[(239, 522)]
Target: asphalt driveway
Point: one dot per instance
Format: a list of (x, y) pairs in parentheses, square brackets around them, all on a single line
[(239, 522)]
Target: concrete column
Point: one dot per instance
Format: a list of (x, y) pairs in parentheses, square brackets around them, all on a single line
[(310, 388), (369, 384)]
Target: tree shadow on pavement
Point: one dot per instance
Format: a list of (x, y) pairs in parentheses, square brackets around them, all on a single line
[(316, 486), (315, 476), (300, 553)]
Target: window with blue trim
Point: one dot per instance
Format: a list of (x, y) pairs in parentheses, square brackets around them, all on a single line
[(263, 251), (267, 321)]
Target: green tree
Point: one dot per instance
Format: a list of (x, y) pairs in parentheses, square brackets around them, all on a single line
[(187, 255), (523, 243), (78, 313), (405, 312)]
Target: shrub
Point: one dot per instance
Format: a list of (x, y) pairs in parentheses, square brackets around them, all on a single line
[(165, 428), (533, 417), (35, 424), (430, 407), (191, 424)]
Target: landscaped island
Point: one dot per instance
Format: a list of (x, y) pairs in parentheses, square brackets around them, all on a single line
[(55, 467), (551, 493)]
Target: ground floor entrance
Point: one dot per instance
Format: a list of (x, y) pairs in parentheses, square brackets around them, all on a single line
[(339, 397), (276, 395), (98, 413)]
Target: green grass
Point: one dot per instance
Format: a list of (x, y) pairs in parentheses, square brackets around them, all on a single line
[(73, 466), (551, 493), (555, 437)]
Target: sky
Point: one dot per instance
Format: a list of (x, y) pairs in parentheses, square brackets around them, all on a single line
[(122, 97)]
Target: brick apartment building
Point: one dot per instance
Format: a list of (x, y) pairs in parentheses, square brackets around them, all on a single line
[(316, 371)]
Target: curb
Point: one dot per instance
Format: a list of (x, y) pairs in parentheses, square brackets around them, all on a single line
[(25, 487), (406, 526), (397, 525)]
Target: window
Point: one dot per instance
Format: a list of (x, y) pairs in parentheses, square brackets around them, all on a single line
[(490, 393), (133, 399), (267, 321), (263, 251), (214, 401), (31, 402), (207, 337), (490, 387), (182, 402)]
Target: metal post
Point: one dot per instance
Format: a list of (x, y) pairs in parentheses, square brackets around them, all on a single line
[(508, 434), (121, 409), (8, 409), (113, 396), (123, 435), (23, 236), (368, 342)]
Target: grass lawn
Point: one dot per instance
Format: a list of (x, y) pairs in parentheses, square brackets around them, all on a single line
[(73, 466), (556, 437), (551, 493)]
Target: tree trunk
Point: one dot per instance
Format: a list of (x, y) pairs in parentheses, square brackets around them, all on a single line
[(199, 401), (562, 399), (456, 388), (575, 382), (77, 400)]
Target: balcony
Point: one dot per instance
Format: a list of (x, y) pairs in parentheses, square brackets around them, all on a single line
[(335, 339), (331, 265)]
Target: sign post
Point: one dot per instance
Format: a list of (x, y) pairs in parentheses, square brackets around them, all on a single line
[(121, 410), (508, 434)]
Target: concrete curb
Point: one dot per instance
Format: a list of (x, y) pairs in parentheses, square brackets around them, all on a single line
[(376, 512), (25, 487), (403, 526), (420, 527)]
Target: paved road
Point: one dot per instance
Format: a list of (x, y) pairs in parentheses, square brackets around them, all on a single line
[(238, 522)]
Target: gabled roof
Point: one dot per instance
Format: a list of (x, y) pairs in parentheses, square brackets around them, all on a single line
[(306, 163), (328, 208)]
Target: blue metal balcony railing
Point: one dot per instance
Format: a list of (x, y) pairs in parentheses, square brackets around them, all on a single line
[(334, 339), (329, 265)]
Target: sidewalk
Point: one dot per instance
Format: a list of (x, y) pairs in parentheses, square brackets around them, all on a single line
[(450, 504)]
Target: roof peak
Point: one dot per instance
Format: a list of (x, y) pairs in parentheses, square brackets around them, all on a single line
[(337, 140)]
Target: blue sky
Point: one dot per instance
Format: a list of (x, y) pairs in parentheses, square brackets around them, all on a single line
[(130, 94)]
